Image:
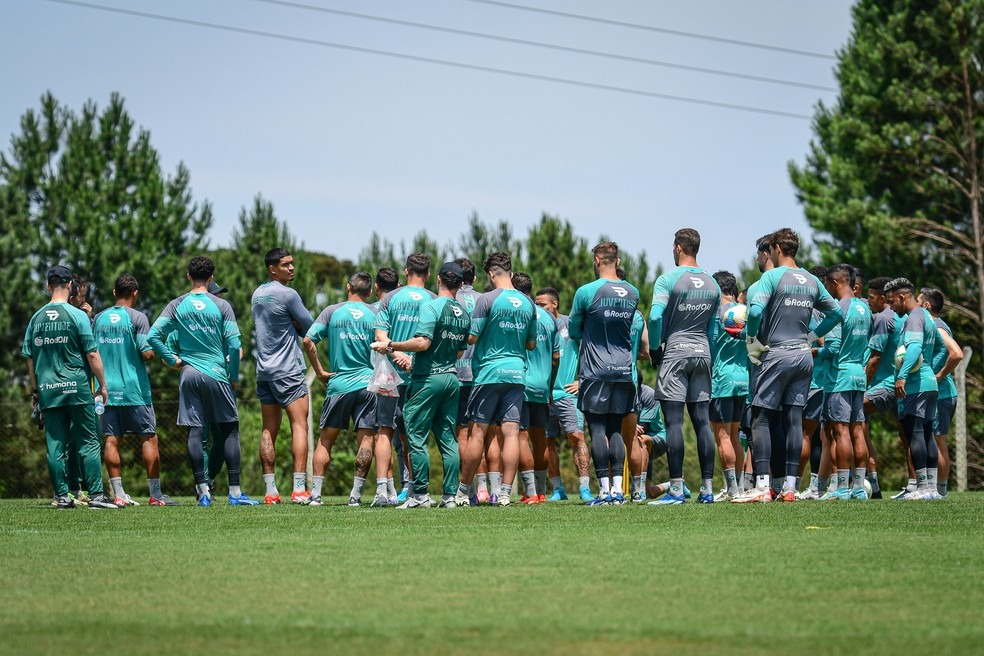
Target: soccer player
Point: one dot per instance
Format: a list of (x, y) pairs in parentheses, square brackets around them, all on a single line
[(886, 328), (387, 279), (682, 319), (432, 396), (208, 340), (916, 387), (565, 418), (947, 354), (541, 370), (729, 388), (845, 404), (61, 358), (121, 337), (601, 323), (467, 296), (348, 328), (782, 306), (650, 443), (503, 328), (397, 321), (280, 317), (813, 414)]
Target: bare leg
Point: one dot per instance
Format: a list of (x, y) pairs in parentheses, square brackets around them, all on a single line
[(111, 456), (297, 416), (271, 415)]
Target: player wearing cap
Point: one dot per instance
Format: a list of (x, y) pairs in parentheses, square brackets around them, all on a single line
[(279, 317), (432, 394), (348, 328), (208, 340), (397, 321), (503, 328), (682, 319), (61, 357), (565, 418), (121, 337), (600, 323), (782, 306)]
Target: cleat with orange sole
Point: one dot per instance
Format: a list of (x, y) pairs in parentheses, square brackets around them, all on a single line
[(271, 500)]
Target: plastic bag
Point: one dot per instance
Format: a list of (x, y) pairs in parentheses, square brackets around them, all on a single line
[(385, 378)]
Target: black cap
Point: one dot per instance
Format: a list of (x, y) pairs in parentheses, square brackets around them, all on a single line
[(59, 274), (451, 272), (215, 289)]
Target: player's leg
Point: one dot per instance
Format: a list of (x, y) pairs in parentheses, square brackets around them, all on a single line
[(638, 459), (932, 452), (111, 458), (271, 414), (509, 430), (554, 431), (700, 418), (322, 458), (859, 445), (363, 459), (86, 437), (719, 410), (492, 459), (297, 417), (615, 423), (57, 440), (471, 456), (443, 427), (944, 416), (418, 414), (538, 443), (600, 455), (673, 413), (526, 466)]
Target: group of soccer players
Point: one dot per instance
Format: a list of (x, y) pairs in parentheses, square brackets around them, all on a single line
[(498, 377)]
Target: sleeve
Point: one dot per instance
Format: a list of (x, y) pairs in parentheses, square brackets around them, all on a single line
[(833, 315), (480, 314), (230, 328), (319, 329), (764, 289), (575, 321), (299, 313), (661, 297), (531, 325), (912, 338), (84, 325), (383, 315), (831, 344), (428, 320), (159, 332), (141, 327), (554, 337), (880, 332), (713, 324), (26, 346)]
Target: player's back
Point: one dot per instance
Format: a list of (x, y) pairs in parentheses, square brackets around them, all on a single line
[(57, 339), (539, 361), (121, 337), (446, 323), (568, 366), (279, 317), (691, 299), (503, 320), (203, 322), (349, 328), (467, 297), (948, 388), (399, 311), (855, 333), (920, 328), (787, 297), (601, 321)]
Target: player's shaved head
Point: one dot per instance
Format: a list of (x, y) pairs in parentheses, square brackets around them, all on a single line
[(360, 284), (387, 279), (688, 240), (842, 274), (498, 263)]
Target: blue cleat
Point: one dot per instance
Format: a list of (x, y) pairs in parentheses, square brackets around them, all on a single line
[(472, 500), (205, 500), (493, 499), (705, 498), (686, 492), (668, 500), (586, 495), (837, 495), (599, 501), (618, 499), (242, 500), (402, 496), (558, 495)]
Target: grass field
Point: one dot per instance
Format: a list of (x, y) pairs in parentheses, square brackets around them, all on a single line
[(880, 577)]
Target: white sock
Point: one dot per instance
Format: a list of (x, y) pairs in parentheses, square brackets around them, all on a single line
[(604, 486), (922, 479), (390, 487), (529, 482), (859, 473), (271, 484), (357, 484), (556, 483), (676, 487), (300, 481), (483, 482), (932, 475), (790, 483), (747, 480), (707, 486), (617, 484), (202, 490), (505, 490), (495, 482), (814, 482), (731, 480), (762, 482), (117, 484), (541, 480), (316, 483), (911, 487), (380, 487), (154, 484), (842, 477), (584, 481), (639, 484), (235, 491)]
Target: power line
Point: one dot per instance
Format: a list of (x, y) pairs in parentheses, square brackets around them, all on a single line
[(430, 60), (547, 46), (661, 30)]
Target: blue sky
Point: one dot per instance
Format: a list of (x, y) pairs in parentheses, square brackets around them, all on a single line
[(344, 143)]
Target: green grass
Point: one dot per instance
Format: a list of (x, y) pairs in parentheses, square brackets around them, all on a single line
[(882, 577)]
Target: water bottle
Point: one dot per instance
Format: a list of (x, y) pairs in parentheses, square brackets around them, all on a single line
[(100, 406)]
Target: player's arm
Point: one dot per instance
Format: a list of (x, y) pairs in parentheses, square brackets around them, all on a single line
[(234, 351), (412, 345), (644, 343), (311, 350), (299, 314), (871, 368), (157, 337), (954, 354), (575, 321), (661, 297), (96, 365), (833, 315), (479, 316), (531, 328), (31, 376)]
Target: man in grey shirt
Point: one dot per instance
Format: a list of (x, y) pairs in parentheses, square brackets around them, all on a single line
[(280, 318)]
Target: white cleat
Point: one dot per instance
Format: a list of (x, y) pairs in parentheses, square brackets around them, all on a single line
[(414, 502)]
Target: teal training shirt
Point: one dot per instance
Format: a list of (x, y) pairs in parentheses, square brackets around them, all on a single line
[(886, 330), (729, 373), (601, 322), (350, 328), (445, 323), (539, 361), (121, 337), (504, 321), (467, 297), (948, 388), (58, 339), (207, 335), (650, 412), (638, 325), (567, 369), (855, 335), (685, 304), (919, 336)]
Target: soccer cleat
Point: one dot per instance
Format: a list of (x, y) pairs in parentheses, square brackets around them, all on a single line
[(272, 500), (205, 500), (722, 495), (380, 501), (877, 495), (314, 501), (393, 501), (585, 494), (904, 494), (787, 496), (686, 492), (600, 501), (705, 498), (837, 495), (461, 500), (82, 499), (755, 495), (162, 500), (618, 499), (541, 498), (124, 501), (473, 500), (558, 495), (503, 500), (483, 495), (637, 497), (64, 503), (529, 501), (414, 502), (402, 496), (354, 502), (102, 502), (447, 502), (859, 493), (493, 499), (668, 500), (301, 497), (934, 495), (809, 494), (242, 500)]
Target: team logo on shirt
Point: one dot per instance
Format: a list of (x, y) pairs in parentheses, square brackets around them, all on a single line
[(356, 313), (198, 305), (516, 302), (456, 310), (415, 295), (800, 278), (698, 283), (621, 291), (114, 318), (52, 314)]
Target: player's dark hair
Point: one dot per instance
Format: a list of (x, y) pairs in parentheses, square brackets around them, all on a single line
[(859, 277), (727, 282), (360, 283), (786, 240), (877, 285), (469, 269), (126, 286), (274, 255), (841, 274), (606, 252), (388, 279), (763, 243), (620, 272), (900, 285), (551, 292), (498, 263), (688, 240), (820, 271), (451, 280), (418, 264), (935, 298), (523, 283), (201, 268)]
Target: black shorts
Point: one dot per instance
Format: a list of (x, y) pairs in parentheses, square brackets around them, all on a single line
[(534, 415), (944, 415), (814, 406), (119, 420), (605, 398), (204, 400), (341, 410), (389, 409), (496, 403), (282, 391), (727, 409), (463, 404)]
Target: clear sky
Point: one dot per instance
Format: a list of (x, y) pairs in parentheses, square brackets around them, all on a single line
[(345, 142)]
